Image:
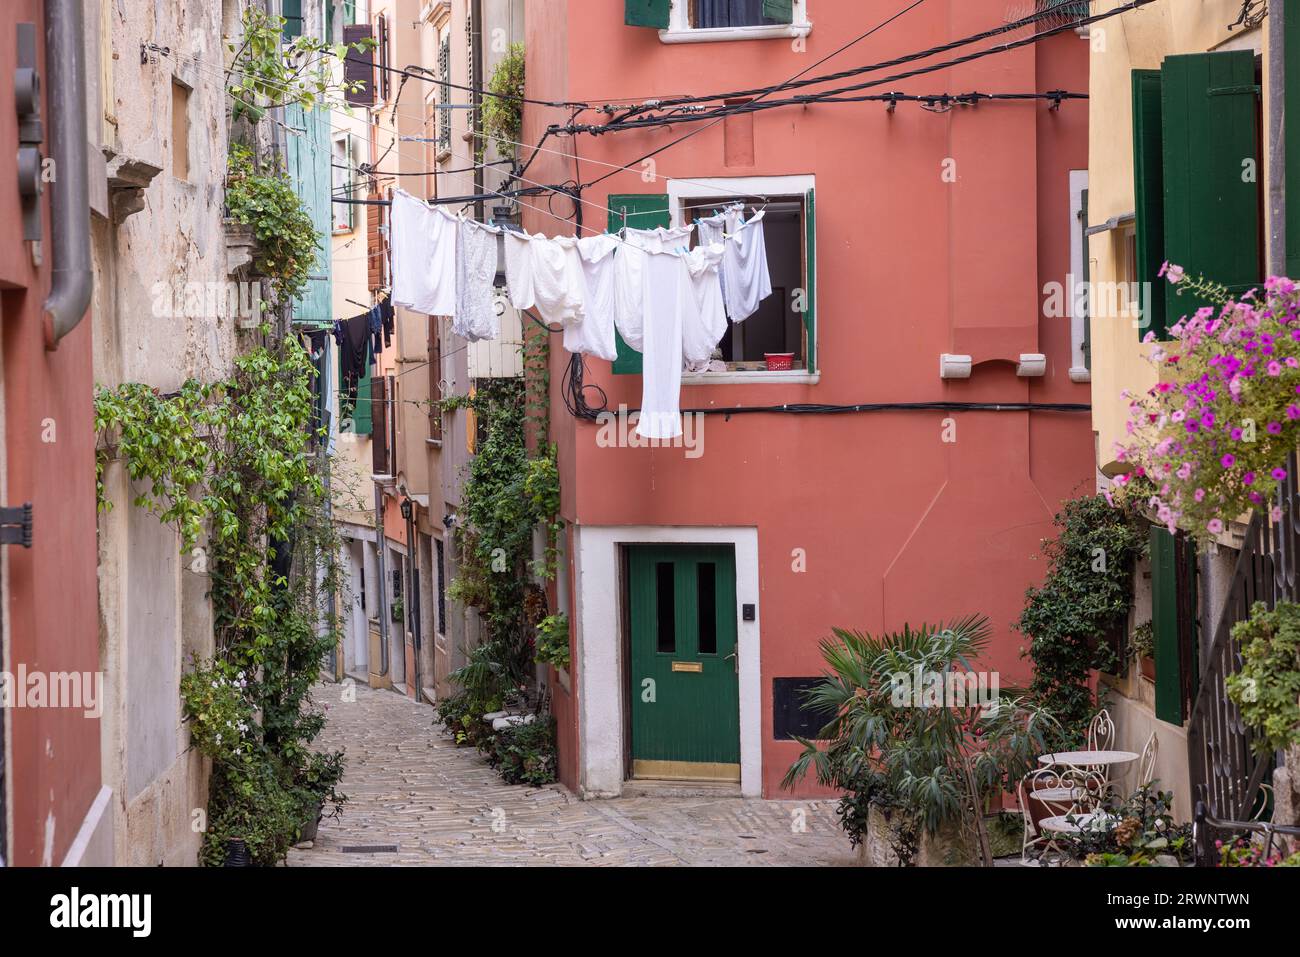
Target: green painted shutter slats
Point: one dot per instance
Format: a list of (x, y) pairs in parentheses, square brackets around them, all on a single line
[(782, 11), (639, 211), (646, 13), (1164, 626), (810, 278), (1148, 190), (1211, 171), (1292, 136), (361, 419)]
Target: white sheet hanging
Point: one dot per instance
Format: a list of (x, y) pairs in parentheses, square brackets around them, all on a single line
[(559, 286), (666, 288), (629, 294), (424, 241), (476, 269)]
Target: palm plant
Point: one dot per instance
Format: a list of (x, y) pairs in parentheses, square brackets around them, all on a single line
[(937, 763)]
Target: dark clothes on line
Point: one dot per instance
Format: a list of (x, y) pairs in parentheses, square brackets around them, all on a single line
[(354, 353)]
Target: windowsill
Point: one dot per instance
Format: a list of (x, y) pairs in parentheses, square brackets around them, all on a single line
[(752, 377), (433, 443), (771, 31)]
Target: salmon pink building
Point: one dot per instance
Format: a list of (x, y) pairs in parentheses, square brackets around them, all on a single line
[(906, 465)]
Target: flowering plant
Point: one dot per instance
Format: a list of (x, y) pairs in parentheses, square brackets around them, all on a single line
[(215, 702), (1213, 435)]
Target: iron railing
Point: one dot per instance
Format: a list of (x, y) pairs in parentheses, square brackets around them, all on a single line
[(1225, 769)]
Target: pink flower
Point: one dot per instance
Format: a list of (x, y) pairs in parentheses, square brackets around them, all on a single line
[(1199, 494), (1274, 368), (1215, 526), (1248, 478), (1278, 473), (1228, 460)]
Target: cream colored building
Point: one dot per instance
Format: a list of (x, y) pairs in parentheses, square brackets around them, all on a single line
[(1140, 177)]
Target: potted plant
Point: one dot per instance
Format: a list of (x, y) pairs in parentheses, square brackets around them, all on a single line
[(1142, 646), (917, 775)]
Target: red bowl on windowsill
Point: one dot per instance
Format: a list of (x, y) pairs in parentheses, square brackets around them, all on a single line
[(779, 361)]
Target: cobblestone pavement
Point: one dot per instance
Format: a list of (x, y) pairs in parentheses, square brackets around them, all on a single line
[(409, 786)]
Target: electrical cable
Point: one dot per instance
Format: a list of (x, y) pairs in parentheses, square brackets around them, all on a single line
[(836, 95), (680, 139), (663, 103)]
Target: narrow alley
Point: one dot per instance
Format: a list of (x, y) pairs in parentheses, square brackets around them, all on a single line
[(417, 799)]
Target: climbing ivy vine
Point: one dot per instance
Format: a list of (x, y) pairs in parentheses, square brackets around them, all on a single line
[(1087, 592), (230, 466)]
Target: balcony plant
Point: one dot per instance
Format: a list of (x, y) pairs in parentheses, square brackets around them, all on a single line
[(1212, 437)]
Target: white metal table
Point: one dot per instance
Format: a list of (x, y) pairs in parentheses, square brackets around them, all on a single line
[(1087, 759)]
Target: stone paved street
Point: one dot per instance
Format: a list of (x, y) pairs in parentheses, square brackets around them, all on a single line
[(411, 787)]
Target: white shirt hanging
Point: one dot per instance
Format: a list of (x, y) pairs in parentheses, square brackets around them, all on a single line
[(559, 286), (424, 241), (476, 269), (594, 335), (704, 319), (746, 281), (519, 269), (629, 294)]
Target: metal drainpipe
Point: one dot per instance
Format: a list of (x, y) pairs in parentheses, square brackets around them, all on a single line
[(476, 81), (381, 546), (413, 585), (72, 279), (1276, 139)]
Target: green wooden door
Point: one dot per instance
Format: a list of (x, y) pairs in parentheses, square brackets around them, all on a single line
[(685, 703)]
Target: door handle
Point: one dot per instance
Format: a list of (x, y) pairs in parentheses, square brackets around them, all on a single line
[(735, 659)]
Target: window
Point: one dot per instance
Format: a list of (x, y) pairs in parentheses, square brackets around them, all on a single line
[(180, 130), (786, 321), (777, 327), (383, 81), (1196, 125), (444, 93), (291, 10), (435, 380), (341, 170), (687, 21), (439, 561)]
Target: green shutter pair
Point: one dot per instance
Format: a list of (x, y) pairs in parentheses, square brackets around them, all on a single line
[(655, 13), (1196, 170)]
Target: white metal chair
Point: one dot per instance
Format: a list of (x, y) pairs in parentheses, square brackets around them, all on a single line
[(1101, 731), (1146, 766), (1059, 791)]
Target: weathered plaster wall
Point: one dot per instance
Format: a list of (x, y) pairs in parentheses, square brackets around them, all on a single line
[(157, 275)]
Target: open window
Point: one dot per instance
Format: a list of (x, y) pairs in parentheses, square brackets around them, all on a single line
[(778, 327), (786, 321)]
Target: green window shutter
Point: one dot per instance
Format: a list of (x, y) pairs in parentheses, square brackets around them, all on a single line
[(1292, 81), (1211, 209), (1087, 279), (1148, 191), (782, 11), (361, 419), (1164, 626), (647, 13), (292, 13), (810, 278), (639, 211)]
